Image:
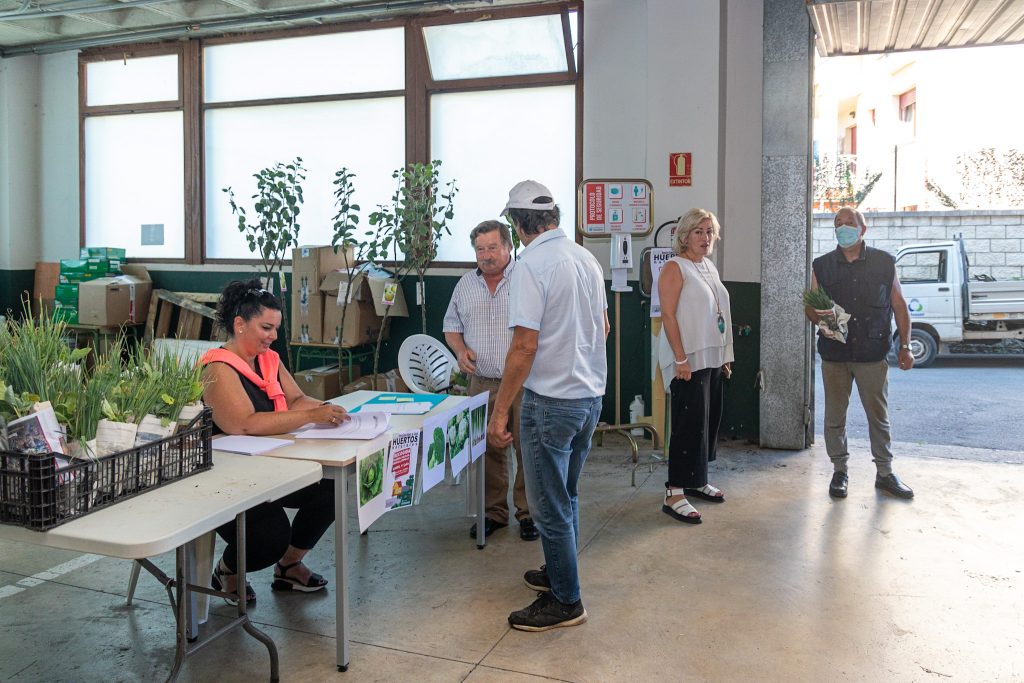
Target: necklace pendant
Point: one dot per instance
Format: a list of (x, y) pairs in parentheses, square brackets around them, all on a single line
[(721, 323)]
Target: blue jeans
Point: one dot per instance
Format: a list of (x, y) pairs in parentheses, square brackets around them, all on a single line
[(556, 435)]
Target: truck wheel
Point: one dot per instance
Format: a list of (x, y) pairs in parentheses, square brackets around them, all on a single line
[(923, 348)]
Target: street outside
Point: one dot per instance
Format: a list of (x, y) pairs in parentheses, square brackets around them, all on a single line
[(973, 401)]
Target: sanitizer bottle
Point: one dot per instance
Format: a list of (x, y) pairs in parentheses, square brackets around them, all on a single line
[(636, 414)]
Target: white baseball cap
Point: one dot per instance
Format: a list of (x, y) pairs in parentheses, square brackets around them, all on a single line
[(529, 194)]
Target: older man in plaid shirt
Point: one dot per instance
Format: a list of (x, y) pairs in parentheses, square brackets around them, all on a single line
[(476, 328)]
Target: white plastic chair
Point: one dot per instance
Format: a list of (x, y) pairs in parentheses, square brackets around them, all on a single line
[(426, 365)]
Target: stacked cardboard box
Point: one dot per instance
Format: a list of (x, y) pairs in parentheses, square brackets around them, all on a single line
[(118, 300), (386, 381), (320, 288), (322, 383)]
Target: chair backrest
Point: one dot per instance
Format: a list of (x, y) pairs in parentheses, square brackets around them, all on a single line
[(426, 365)]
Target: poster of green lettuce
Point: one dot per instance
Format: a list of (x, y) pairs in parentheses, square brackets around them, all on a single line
[(435, 447), (371, 478)]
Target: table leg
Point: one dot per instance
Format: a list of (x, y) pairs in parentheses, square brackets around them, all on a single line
[(240, 594), (180, 625), (341, 563), (481, 503)]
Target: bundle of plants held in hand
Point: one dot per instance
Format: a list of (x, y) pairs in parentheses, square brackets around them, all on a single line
[(127, 397), (832, 319)]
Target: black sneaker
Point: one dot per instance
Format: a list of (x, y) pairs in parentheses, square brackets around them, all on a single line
[(537, 579), (546, 613)]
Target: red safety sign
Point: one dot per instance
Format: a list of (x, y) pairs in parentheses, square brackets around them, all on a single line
[(680, 169)]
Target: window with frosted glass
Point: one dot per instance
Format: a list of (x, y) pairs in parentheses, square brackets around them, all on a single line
[(488, 145), (338, 63), (134, 193), (140, 79), (501, 47), (366, 136)]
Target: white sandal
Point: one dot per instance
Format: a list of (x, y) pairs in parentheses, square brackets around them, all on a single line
[(681, 509), (707, 492)]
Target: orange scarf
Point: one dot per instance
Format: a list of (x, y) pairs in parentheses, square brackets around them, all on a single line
[(269, 362)]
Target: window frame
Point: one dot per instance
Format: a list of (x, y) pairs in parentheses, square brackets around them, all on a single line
[(419, 87)]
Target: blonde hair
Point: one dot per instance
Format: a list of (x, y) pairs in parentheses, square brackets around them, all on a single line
[(688, 223)]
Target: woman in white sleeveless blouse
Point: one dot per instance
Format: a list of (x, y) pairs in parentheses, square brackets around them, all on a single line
[(694, 353)]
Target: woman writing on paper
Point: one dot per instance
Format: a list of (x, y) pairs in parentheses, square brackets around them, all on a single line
[(251, 393), (694, 353)]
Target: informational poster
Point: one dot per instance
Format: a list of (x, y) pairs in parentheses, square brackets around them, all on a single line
[(371, 474), (477, 406), (659, 257), (614, 206), (434, 447), (458, 438), (402, 458)]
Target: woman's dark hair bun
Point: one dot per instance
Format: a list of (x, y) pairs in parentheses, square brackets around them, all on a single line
[(243, 298)]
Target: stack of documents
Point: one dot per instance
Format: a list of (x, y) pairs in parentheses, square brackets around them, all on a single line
[(361, 425), (248, 445)]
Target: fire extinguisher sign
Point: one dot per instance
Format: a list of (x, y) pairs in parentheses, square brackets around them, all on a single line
[(680, 169), (614, 206)]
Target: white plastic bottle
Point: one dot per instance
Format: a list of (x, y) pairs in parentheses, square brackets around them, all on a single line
[(636, 414)]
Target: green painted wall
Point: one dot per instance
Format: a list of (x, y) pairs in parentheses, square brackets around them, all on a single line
[(741, 410), (13, 283)]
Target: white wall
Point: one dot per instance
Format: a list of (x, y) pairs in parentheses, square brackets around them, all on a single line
[(19, 152), (58, 156), (653, 73)]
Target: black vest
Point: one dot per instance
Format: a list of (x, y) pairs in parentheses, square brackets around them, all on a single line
[(863, 288)]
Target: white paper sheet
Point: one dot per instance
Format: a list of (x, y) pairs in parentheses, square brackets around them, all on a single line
[(361, 425), (371, 476), (458, 439), (248, 445), (477, 406), (433, 468)]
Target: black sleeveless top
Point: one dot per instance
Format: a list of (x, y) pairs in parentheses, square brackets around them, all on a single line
[(261, 403)]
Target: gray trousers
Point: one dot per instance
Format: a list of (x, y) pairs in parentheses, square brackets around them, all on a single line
[(873, 386)]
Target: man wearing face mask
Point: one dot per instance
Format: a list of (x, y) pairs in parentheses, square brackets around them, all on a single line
[(863, 281)]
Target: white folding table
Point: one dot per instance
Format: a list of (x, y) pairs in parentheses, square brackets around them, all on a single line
[(173, 516), (338, 458)]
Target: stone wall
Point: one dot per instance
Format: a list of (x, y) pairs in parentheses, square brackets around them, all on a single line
[(992, 238)]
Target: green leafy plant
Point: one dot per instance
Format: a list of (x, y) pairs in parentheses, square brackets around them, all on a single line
[(435, 451), (345, 221), (818, 299), (458, 432), (371, 477), (278, 201), (408, 230), (837, 182)]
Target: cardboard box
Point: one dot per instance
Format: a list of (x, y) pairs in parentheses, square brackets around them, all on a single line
[(103, 267), (67, 294), (365, 309), (362, 324), (75, 270), (65, 312), (314, 262), (386, 381), (322, 383), (112, 301), (307, 313), (115, 253)]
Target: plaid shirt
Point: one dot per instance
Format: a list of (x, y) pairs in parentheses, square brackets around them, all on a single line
[(482, 320)]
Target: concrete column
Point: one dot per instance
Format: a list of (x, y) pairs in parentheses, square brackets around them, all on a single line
[(19, 159), (786, 397)]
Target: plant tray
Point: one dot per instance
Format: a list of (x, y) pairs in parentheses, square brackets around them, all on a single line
[(38, 494)]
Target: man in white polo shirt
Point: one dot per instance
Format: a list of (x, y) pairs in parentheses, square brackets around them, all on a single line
[(558, 313)]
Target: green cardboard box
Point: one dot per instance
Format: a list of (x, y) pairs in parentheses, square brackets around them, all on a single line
[(115, 253), (68, 314), (67, 294), (75, 270), (103, 267)]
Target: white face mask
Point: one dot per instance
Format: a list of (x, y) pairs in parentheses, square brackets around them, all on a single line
[(847, 236)]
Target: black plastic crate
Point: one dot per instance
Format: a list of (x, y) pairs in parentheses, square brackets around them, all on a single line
[(35, 494)]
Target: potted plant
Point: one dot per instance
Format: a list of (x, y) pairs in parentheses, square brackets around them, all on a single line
[(345, 221), (409, 229), (278, 203)]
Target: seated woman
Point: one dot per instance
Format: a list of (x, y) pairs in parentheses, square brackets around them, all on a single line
[(250, 392)]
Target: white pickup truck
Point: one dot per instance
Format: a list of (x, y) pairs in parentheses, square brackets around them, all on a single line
[(948, 306)]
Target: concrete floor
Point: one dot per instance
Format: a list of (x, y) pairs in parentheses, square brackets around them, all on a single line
[(780, 583)]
